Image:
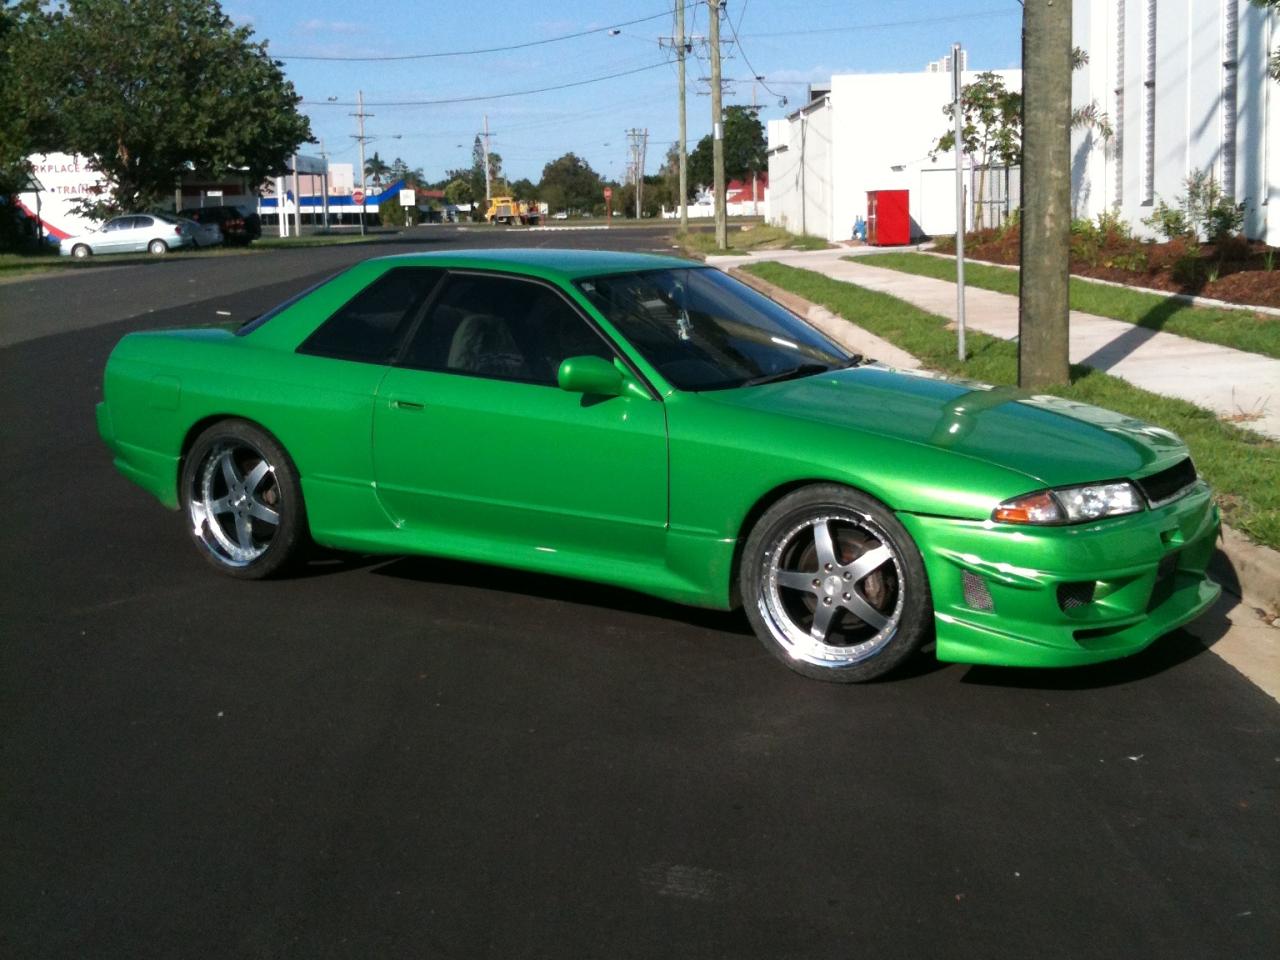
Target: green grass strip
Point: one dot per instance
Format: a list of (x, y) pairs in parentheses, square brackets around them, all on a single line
[(1242, 329), (1242, 466), (759, 237)]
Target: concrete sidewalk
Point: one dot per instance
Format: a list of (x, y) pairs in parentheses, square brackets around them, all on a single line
[(1236, 385)]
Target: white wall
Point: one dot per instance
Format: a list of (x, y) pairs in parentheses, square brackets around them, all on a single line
[(1191, 129), (875, 134)]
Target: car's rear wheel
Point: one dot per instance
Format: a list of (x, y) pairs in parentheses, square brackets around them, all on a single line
[(243, 502), (81, 252), (834, 586), (157, 247)]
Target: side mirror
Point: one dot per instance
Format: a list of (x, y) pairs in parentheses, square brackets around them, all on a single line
[(590, 375)]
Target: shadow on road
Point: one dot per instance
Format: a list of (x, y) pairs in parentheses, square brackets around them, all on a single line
[(1167, 652)]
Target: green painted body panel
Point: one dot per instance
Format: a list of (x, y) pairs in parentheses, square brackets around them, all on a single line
[(655, 489)]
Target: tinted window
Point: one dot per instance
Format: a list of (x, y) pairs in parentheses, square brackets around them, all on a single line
[(140, 222), (119, 223), (502, 328), (370, 326), (706, 331)]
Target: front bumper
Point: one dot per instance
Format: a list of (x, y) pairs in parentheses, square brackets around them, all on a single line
[(1014, 595)]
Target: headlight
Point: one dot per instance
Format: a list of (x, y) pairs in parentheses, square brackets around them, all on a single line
[(1071, 504)]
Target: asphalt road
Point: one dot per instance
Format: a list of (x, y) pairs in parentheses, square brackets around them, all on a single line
[(400, 758)]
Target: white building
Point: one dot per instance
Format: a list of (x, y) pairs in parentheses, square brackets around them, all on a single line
[(1184, 85), (871, 132)]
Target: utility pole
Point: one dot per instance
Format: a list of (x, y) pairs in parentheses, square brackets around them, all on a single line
[(324, 185), (637, 151), (360, 115), (487, 185), (717, 125), (683, 149), (1043, 309), (957, 89), (755, 111)]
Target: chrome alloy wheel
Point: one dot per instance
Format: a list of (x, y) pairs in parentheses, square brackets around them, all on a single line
[(832, 594), (235, 503)]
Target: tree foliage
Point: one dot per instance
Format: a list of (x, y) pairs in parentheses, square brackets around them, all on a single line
[(152, 88), (569, 183), (744, 149)]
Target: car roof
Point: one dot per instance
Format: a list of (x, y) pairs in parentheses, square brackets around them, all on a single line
[(546, 262)]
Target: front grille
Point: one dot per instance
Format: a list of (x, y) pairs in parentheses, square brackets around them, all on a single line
[(1167, 485), (1166, 579)]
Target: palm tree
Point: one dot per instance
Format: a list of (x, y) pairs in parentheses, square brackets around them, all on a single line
[(376, 168)]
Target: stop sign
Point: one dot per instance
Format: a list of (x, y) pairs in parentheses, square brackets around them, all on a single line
[(608, 193), (357, 196)]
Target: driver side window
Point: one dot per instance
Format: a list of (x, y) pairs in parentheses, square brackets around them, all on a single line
[(502, 328)]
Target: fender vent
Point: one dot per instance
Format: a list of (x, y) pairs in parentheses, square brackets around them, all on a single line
[(976, 594)]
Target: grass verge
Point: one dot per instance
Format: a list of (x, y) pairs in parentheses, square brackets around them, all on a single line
[(1243, 467), (758, 237), (1242, 329), (317, 240)]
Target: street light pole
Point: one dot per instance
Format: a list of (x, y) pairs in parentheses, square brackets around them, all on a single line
[(364, 190)]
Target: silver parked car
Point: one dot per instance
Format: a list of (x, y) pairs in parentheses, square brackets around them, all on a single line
[(131, 233)]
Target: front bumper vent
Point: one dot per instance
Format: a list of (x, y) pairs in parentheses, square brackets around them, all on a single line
[(1073, 596), (976, 594)]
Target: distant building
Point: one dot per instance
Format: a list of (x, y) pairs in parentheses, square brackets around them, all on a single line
[(865, 132), (944, 65)]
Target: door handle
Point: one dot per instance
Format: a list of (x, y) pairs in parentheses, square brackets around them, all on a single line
[(402, 404)]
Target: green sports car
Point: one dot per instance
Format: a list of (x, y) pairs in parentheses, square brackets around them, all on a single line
[(653, 423)]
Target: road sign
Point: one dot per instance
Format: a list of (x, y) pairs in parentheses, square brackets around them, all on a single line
[(357, 197), (608, 193)]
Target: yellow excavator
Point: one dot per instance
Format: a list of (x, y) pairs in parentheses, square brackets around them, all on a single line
[(511, 211)]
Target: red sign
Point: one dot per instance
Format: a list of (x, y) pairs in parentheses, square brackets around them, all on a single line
[(608, 193), (357, 196)]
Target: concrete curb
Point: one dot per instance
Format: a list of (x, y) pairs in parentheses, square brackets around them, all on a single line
[(1187, 298), (1246, 569)]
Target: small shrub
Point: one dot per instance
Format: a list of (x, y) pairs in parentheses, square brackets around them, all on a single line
[(1169, 222), (1269, 260), (1233, 248), (1188, 268)]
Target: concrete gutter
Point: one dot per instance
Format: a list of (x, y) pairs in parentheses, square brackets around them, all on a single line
[(1247, 570)]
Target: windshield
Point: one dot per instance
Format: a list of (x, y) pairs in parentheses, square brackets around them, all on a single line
[(704, 330)]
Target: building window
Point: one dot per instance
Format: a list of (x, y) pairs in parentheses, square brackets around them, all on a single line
[(1230, 26), (1149, 110), (1119, 105)]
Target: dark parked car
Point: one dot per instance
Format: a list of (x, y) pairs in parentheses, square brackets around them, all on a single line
[(236, 225)]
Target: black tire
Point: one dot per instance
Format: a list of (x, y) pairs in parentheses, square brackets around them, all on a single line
[(81, 251), (846, 606), (231, 525), (157, 248)]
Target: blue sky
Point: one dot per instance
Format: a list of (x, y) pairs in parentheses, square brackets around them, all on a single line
[(789, 42)]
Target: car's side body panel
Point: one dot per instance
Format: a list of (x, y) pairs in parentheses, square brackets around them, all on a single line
[(654, 489)]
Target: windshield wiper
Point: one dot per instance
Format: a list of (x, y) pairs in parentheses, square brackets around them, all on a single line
[(804, 370)]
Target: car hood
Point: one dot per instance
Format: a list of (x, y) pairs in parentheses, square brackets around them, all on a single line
[(1052, 440)]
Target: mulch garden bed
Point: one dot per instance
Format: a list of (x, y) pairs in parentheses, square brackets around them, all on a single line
[(1236, 271)]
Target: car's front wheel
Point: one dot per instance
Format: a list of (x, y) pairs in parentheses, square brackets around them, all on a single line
[(834, 586), (157, 247), (243, 501)]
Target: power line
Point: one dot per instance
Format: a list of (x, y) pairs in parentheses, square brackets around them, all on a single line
[(782, 100), (488, 96), (853, 28), (481, 50)]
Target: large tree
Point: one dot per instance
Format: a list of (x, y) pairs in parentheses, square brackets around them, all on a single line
[(569, 183), (151, 88), (744, 149)]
